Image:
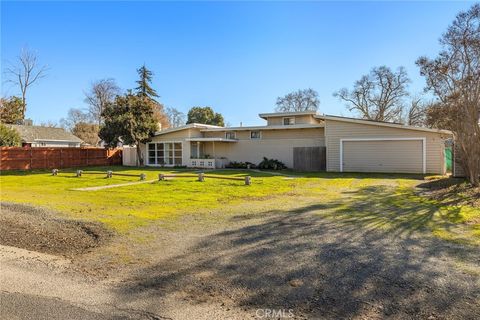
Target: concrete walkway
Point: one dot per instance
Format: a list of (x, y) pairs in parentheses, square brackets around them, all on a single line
[(114, 185)]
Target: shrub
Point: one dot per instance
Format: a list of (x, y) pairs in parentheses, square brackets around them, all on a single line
[(271, 164), (240, 165), (9, 137)]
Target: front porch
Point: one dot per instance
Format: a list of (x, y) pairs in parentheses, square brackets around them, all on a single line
[(206, 153)]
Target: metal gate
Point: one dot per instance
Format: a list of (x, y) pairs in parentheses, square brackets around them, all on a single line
[(309, 158)]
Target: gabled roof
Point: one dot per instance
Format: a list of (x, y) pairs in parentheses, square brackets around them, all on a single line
[(185, 127), (31, 134), (286, 114), (381, 124)]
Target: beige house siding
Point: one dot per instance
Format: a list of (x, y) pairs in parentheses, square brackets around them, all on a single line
[(310, 133), (254, 150), (303, 119), (337, 130), (274, 144)]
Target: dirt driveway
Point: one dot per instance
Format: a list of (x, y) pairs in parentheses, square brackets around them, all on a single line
[(291, 263)]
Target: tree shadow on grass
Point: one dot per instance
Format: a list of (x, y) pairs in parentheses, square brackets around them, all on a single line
[(365, 256)]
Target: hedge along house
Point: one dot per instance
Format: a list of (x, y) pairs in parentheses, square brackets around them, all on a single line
[(304, 141)]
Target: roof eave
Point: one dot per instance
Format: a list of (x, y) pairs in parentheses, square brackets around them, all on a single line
[(384, 124)]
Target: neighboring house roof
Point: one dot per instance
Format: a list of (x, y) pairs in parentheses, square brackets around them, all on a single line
[(274, 127), (185, 127), (31, 134), (381, 123), (286, 114)]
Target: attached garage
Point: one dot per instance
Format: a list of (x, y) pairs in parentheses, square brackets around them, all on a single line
[(400, 155), (355, 145)]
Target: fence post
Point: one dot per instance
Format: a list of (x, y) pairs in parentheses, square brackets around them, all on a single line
[(143, 176), (161, 177), (248, 180), (201, 177), (79, 173)]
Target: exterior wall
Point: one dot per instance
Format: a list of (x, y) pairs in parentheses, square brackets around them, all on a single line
[(274, 144), (303, 119), (176, 136), (55, 144), (336, 130)]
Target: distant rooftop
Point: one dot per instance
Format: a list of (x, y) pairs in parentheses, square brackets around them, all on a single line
[(30, 134)]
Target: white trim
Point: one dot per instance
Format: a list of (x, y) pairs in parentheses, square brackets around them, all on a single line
[(187, 126), (259, 131), (53, 140), (147, 156), (200, 139), (424, 148), (272, 127), (286, 114)]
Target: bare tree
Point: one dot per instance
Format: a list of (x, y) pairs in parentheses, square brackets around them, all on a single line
[(416, 112), (300, 100), (379, 95), (175, 117), (74, 117), (25, 73), (100, 94), (454, 77), (49, 123)]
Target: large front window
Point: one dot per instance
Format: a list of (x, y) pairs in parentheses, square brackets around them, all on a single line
[(165, 154)]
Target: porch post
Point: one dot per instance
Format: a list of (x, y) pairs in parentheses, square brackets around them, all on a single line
[(214, 158)]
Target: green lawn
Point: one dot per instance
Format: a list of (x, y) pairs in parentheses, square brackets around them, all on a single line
[(383, 202)]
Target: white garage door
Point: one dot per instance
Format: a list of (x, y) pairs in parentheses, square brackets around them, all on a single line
[(402, 156)]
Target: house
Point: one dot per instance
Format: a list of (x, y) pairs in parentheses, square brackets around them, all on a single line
[(338, 144), (39, 136)]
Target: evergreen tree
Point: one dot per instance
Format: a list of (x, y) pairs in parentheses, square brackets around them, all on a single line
[(144, 88)]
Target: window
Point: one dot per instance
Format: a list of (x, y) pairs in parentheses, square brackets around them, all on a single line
[(167, 153), (288, 121), (255, 135), (230, 135)]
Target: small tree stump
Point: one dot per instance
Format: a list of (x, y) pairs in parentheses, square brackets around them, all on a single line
[(143, 176), (248, 180), (161, 177), (109, 174), (79, 173), (54, 172), (201, 177)]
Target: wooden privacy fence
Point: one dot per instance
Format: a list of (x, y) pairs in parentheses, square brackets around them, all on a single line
[(16, 158), (310, 158)]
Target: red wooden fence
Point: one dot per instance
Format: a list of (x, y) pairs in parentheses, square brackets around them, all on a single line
[(16, 158)]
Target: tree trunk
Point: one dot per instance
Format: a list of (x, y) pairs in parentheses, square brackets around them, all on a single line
[(139, 156)]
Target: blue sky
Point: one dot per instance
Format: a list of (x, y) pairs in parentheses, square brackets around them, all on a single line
[(234, 56)]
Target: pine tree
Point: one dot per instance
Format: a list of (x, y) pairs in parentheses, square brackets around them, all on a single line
[(144, 88)]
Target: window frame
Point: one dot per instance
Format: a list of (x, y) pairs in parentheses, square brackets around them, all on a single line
[(259, 134), (169, 154), (289, 124), (230, 132)]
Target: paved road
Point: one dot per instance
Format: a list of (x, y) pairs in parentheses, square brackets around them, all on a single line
[(23, 306)]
